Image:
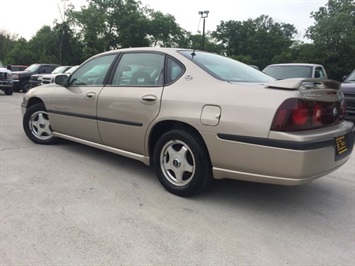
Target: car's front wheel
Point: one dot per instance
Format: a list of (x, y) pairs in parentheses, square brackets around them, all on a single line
[(182, 163), (37, 126), (8, 91)]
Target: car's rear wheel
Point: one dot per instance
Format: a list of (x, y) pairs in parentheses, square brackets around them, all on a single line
[(26, 86), (37, 126), (182, 163)]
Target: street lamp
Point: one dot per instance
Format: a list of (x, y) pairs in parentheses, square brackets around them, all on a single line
[(204, 15)]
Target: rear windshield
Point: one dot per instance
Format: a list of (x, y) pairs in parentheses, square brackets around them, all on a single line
[(285, 72), (225, 68)]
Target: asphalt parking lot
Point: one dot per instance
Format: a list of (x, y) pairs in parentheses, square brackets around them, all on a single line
[(69, 204)]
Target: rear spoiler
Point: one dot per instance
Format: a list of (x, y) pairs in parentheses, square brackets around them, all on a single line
[(304, 84)]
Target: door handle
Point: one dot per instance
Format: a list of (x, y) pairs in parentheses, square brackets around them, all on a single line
[(149, 98), (90, 95)]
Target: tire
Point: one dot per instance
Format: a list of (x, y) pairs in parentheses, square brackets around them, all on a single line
[(181, 163), (8, 91), (16, 89), (37, 126), (25, 86)]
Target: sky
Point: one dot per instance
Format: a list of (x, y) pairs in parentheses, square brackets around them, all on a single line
[(30, 16)]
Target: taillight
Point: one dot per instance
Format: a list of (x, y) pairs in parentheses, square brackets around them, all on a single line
[(298, 114)]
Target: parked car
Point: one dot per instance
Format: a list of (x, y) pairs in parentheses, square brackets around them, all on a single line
[(195, 116), (295, 70), (22, 78), (49, 78), (36, 79), (6, 81), (348, 88)]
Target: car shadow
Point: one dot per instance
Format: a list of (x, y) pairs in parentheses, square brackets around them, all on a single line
[(228, 193)]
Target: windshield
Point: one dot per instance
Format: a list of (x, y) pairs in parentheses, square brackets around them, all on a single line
[(225, 68), (351, 77), (32, 68), (60, 69), (285, 72)]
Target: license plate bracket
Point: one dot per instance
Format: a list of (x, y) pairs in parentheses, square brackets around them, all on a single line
[(341, 147)]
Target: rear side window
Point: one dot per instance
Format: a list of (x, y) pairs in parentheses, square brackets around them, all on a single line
[(174, 70), (319, 73), (139, 70)]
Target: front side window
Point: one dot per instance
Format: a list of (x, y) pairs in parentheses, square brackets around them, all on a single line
[(46, 70), (93, 72), (139, 69)]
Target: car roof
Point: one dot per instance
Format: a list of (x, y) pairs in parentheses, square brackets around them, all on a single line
[(156, 49)]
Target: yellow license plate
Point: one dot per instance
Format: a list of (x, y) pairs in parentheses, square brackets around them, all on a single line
[(341, 146)]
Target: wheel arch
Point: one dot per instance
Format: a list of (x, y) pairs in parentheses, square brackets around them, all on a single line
[(34, 101), (164, 126)]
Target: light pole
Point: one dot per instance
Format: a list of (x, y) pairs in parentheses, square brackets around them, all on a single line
[(204, 15)]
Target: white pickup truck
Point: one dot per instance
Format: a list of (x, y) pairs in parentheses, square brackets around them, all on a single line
[(295, 70), (6, 80)]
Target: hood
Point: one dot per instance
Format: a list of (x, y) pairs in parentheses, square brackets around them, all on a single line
[(3, 69), (348, 87)]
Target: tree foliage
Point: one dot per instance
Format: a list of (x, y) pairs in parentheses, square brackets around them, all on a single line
[(259, 40), (102, 25), (333, 37), (7, 43)]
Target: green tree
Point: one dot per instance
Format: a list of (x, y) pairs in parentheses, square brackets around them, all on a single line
[(333, 36), (70, 49), (163, 30), (194, 41), (110, 24), (7, 43), (258, 40), (20, 53), (44, 46)]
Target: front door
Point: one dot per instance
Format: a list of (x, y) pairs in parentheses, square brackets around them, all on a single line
[(74, 108)]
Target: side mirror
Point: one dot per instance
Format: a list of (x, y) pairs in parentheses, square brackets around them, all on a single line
[(344, 77), (62, 80)]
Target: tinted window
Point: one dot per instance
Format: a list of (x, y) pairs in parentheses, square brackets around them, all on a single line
[(174, 70), (92, 72), (284, 72), (319, 73), (225, 68), (139, 69)]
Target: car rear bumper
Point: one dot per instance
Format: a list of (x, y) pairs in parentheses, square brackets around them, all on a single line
[(282, 162)]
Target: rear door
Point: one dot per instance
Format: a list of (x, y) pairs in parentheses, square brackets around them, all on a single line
[(132, 101)]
